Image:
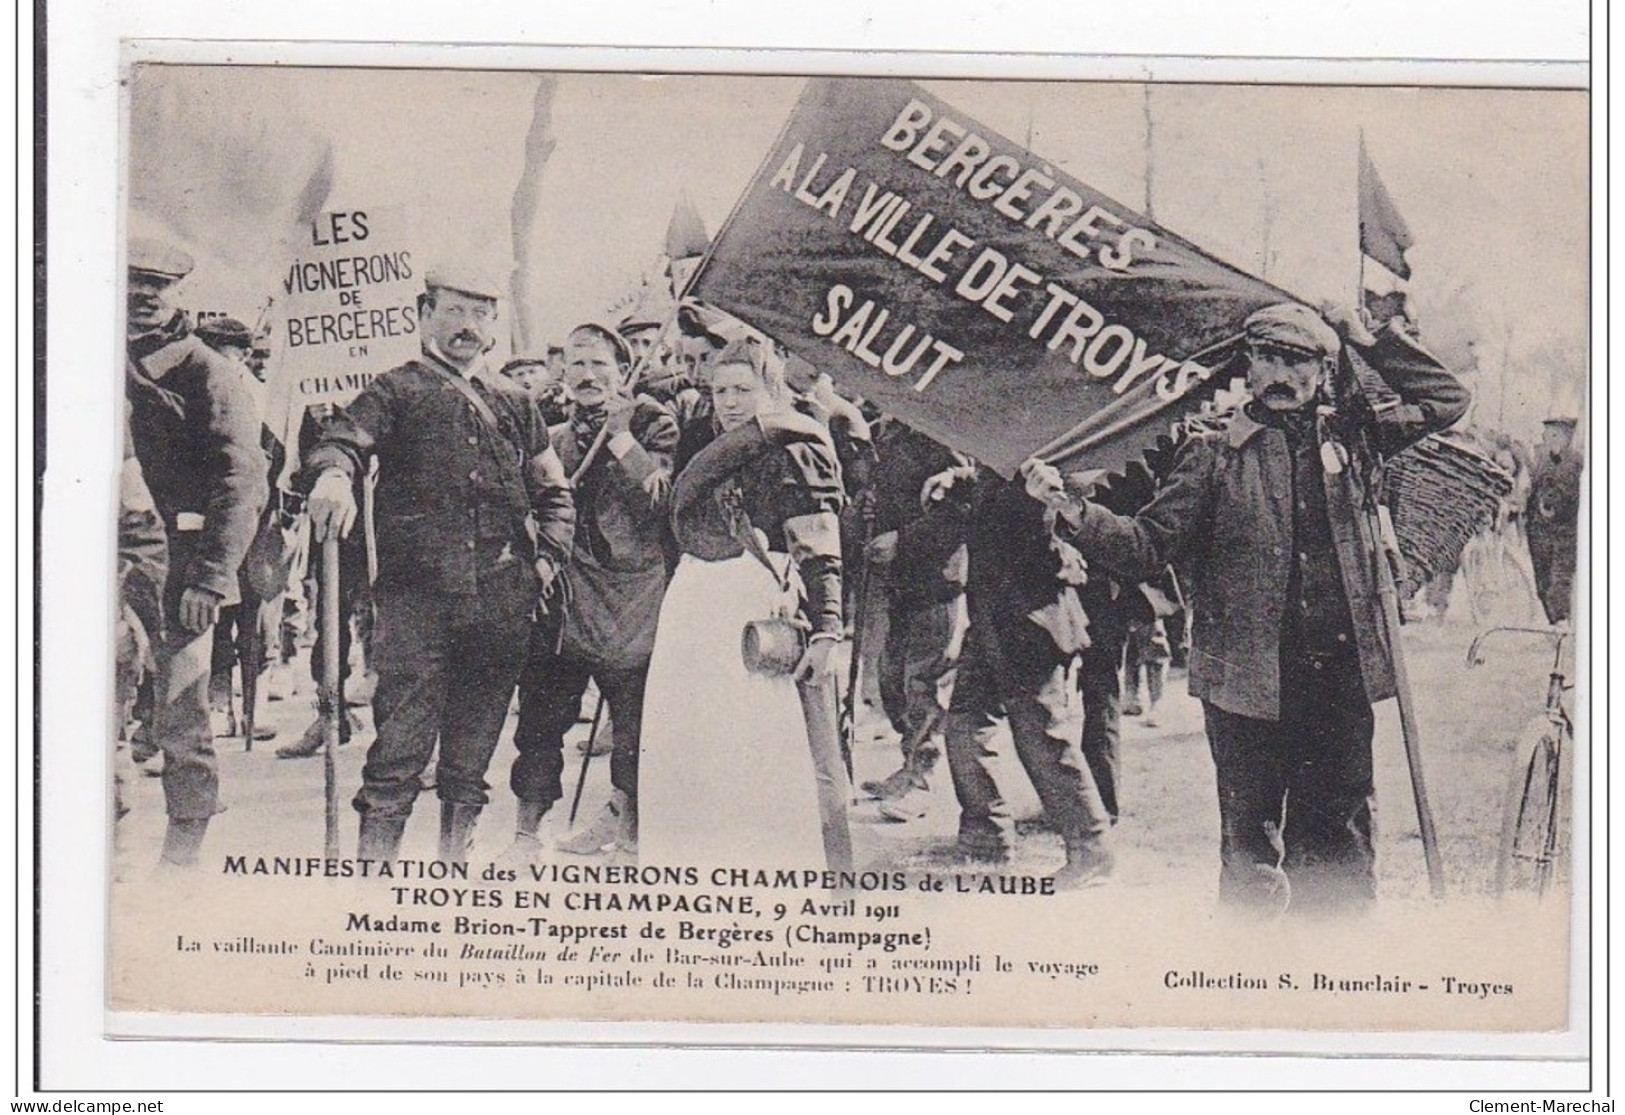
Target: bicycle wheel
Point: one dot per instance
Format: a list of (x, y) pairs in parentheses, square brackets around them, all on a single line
[(1532, 841)]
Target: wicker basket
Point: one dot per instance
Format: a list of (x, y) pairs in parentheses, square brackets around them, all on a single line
[(1440, 493)]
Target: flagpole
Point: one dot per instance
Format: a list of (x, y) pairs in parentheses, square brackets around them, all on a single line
[(1392, 624), (1359, 218), (1150, 212)]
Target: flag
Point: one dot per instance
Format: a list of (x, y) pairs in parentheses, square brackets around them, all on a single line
[(1082, 338), (685, 233), (1383, 308), (1384, 235), (686, 243)]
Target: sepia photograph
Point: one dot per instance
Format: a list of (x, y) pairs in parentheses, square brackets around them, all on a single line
[(861, 550)]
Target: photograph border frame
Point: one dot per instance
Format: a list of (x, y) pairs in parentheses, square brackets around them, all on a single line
[(1159, 68)]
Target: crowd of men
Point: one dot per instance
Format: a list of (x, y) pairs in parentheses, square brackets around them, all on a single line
[(520, 543)]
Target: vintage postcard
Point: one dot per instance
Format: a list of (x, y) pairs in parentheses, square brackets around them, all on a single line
[(1056, 556)]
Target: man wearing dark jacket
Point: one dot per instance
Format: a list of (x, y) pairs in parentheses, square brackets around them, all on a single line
[(1289, 647), (617, 450), (1026, 623), (474, 523), (248, 623), (196, 431), (922, 557)]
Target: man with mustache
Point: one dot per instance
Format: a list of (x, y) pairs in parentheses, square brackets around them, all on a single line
[(1270, 513), (474, 521), (618, 450), (195, 428)]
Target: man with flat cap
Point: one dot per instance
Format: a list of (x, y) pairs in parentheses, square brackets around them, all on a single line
[(618, 449), (538, 377), (474, 521), (1553, 520), (196, 430), (1270, 513)]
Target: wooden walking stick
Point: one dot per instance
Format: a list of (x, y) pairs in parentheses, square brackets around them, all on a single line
[(253, 652), (854, 671), (332, 703), (818, 709), (1389, 595), (1384, 556), (586, 756)]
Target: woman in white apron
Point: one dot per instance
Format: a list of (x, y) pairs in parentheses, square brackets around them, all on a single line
[(726, 776)]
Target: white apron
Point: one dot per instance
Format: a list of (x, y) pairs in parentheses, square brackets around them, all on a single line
[(725, 776)]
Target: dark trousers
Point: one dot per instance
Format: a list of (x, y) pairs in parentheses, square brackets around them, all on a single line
[(1552, 556), (550, 692), (917, 664), (1145, 647), (1297, 807), (180, 701), (446, 671), (1102, 719), (228, 647), (235, 633), (1032, 695)]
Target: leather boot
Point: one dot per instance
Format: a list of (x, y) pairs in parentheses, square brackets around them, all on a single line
[(182, 842), (456, 830), (613, 828), (1089, 863), (526, 847), (314, 739), (380, 837)]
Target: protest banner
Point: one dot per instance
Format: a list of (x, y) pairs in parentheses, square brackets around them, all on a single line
[(278, 931), (344, 313), (961, 283), (350, 311)]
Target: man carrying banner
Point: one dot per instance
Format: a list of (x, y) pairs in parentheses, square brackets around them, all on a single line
[(923, 561), (1026, 623), (196, 431), (474, 522), (355, 619), (618, 450), (1289, 650)]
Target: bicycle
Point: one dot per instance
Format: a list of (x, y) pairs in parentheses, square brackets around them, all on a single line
[(1534, 842)]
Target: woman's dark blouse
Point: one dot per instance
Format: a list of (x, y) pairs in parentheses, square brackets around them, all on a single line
[(782, 489)]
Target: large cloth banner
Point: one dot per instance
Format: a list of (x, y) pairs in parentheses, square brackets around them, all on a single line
[(964, 285)]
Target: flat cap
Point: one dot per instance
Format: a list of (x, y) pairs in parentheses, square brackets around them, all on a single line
[(464, 279), (158, 257), (521, 360), (217, 331), (1563, 407), (1294, 326), (617, 342), (637, 322)]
